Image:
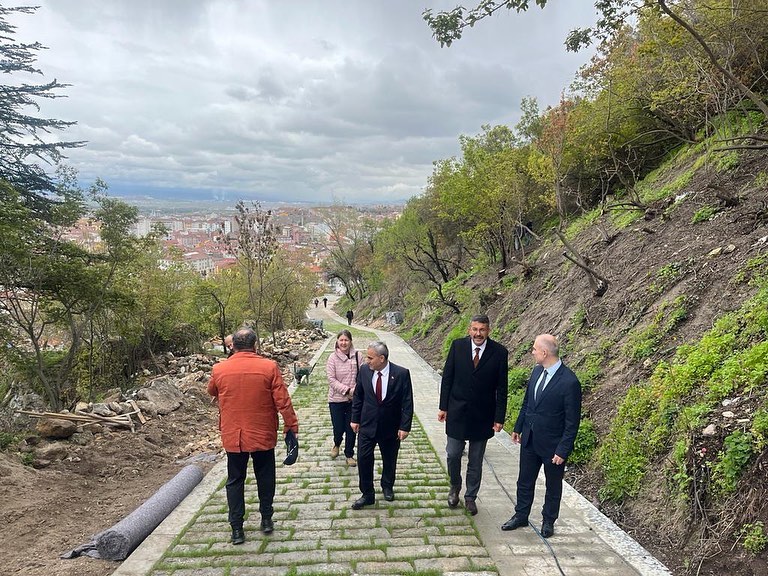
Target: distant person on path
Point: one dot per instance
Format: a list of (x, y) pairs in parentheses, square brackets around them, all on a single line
[(316, 302), (546, 430), (250, 391), (228, 345), (349, 316), (325, 302), (473, 405), (342, 368), (382, 411)]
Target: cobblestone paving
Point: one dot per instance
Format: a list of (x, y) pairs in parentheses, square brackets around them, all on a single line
[(316, 531)]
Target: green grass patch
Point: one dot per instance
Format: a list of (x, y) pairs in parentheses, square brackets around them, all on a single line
[(655, 414)]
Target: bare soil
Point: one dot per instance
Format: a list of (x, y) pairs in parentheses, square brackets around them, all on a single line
[(46, 512)]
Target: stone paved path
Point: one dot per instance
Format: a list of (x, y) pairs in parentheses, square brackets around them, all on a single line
[(317, 533)]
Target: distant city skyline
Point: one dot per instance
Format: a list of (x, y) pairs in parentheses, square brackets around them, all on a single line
[(276, 101)]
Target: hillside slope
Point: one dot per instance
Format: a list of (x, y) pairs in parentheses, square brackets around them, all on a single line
[(699, 252)]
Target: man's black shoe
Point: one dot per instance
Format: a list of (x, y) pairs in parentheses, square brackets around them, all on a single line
[(389, 494), (469, 504), (547, 529), (267, 526), (363, 501), (238, 536), (514, 523), (453, 496)]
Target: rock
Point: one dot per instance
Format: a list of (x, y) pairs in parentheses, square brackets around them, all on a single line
[(163, 393), (93, 427), (730, 248), (728, 414), (39, 464), (53, 451), (55, 428), (729, 401), (102, 409), (149, 409), (716, 252), (81, 438), (710, 430), (82, 407)]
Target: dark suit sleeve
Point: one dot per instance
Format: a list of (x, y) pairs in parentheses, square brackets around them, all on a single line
[(524, 408), (406, 414), (358, 397), (501, 386), (572, 407), (447, 380)]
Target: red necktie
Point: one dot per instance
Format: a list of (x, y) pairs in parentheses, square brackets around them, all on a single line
[(378, 388), (476, 359)]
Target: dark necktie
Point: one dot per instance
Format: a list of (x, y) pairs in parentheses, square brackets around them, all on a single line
[(378, 388), (476, 359), (540, 386)]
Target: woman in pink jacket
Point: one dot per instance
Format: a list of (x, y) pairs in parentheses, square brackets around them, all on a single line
[(342, 368)]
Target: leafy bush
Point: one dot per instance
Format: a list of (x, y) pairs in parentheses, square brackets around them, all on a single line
[(514, 403), (459, 330), (517, 377), (754, 538), (586, 441), (6, 439), (737, 450)]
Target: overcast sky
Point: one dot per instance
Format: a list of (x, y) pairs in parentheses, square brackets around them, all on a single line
[(277, 100)]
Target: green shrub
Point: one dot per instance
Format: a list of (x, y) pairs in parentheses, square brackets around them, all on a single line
[(514, 403), (523, 349), (517, 377), (459, 330), (728, 162), (704, 214), (586, 441), (6, 439), (754, 538), (737, 450), (760, 429), (682, 479)]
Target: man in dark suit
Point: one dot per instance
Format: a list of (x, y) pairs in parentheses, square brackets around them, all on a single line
[(546, 430), (473, 404), (382, 411)]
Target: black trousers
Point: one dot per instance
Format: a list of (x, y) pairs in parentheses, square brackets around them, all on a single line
[(341, 416), (237, 470), (388, 447), (530, 464)]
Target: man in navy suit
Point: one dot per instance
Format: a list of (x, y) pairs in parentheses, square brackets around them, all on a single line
[(382, 411), (473, 405), (546, 431)]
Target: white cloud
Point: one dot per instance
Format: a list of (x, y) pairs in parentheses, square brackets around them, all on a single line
[(286, 100)]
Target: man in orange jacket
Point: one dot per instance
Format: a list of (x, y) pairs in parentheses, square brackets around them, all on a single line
[(250, 391)]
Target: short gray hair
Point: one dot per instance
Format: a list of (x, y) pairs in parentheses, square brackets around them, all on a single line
[(380, 348), (481, 318)]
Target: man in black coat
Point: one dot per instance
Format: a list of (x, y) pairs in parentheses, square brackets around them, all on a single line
[(473, 404), (546, 430), (382, 412)]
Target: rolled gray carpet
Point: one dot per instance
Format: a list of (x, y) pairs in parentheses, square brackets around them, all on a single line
[(118, 542)]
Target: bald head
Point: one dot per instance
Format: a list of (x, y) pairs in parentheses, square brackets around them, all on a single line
[(546, 350)]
